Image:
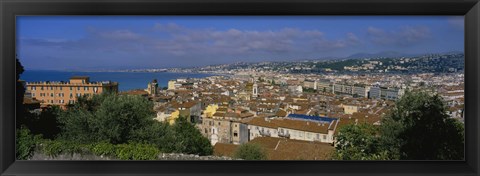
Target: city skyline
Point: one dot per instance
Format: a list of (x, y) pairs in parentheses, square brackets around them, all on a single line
[(87, 42)]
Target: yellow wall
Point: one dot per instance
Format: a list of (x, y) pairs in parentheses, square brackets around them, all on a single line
[(347, 109), (171, 85), (210, 110), (173, 117)]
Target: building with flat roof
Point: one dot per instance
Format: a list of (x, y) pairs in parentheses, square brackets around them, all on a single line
[(64, 93)]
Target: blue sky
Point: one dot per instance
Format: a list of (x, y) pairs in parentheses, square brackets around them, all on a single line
[(119, 42)]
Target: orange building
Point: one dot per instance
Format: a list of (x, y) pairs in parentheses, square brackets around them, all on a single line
[(64, 93)]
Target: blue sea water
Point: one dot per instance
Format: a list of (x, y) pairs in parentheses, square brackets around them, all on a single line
[(126, 80)]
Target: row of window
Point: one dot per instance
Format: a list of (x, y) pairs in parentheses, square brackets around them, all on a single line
[(294, 133), (61, 88), (59, 101), (59, 95)]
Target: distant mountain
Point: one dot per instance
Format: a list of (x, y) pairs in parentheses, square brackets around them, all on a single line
[(380, 54), (453, 52)]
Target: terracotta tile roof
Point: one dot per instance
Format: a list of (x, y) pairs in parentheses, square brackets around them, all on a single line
[(282, 149), (189, 104), (30, 101), (281, 113), (135, 92), (219, 114), (221, 149), (288, 149), (79, 77)]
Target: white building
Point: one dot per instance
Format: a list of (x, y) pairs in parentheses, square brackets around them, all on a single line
[(292, 129)]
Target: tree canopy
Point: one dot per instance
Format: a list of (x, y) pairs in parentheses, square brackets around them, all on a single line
[(422, 129), (359, 142), (120, 119), (417, 128), (251, 151)]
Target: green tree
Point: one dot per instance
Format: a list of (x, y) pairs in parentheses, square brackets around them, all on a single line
[(251, 151), (419, 128), (359, 142), (44, 123), (107, 117), (26, 143), (184, 137), (119, 117), (20, 92)]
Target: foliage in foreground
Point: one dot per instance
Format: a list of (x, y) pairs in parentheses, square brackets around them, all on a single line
[(359, 142), (130, 151), (417, 128), (121, 119), (251, 151), (26, 143), (121, 126), (106, 117)]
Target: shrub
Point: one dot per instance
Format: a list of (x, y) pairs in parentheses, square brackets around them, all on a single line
[(250, 152), (103, 148), (136, 151), (26, 144), (54, 148)]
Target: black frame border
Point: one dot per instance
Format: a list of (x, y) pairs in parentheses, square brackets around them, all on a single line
[(11, 8)]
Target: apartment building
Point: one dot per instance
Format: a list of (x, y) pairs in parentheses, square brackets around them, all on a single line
[(295, 126), (64, 93)]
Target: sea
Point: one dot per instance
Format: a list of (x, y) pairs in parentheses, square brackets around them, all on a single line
[(126, 80)]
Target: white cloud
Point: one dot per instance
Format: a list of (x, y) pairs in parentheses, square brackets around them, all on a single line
[(404, 36)]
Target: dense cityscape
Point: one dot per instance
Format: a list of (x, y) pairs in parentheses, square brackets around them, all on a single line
[(240, 87), (294, 110)]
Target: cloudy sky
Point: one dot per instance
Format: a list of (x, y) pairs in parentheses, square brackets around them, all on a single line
[(120, 42)]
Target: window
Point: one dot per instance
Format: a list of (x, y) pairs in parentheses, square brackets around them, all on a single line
[(79, 94), (51, 88), (51, 94), (71, 95), (85, 88), (34, 88), (60, 88), (33, 94), (41, 88), (324, 137), (78, 88), (218, 123), (235, 134), (71, 88)]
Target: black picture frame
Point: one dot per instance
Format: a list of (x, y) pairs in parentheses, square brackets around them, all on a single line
[(11, 8)]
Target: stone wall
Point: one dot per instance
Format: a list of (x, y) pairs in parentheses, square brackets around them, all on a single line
[(163, 156)]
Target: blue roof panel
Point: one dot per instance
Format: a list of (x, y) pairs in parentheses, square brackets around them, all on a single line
[(314, 118)]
